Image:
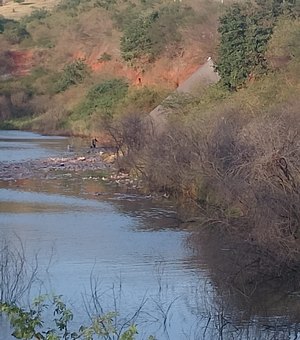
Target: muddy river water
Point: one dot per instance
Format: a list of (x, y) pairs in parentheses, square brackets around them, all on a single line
[(83, 232)]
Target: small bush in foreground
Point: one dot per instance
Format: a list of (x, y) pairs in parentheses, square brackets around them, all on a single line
[(32, 324)]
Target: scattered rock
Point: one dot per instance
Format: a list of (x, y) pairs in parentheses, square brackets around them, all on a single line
[(42, 168)]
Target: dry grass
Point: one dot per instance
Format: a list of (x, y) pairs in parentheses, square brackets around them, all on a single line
[(14, 10)]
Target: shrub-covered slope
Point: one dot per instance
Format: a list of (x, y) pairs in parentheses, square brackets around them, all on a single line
[(153, 44)]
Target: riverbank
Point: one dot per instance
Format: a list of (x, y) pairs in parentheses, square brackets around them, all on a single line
[(97, 163)]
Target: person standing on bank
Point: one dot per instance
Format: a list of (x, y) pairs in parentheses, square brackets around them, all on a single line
[(93, 143)]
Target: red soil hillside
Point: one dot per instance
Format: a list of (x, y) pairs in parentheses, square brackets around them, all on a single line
[(21, 62), (164, 71)]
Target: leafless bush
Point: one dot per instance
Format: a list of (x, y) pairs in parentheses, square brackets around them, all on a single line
[(274, 179), (130, 134), (253, 166), (244, 169)]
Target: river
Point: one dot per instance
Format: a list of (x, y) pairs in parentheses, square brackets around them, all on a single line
[(83, 232)]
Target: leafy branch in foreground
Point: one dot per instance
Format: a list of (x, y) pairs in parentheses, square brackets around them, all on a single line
[(32, 323)]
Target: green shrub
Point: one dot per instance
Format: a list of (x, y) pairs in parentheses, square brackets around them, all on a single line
[(147, 35), (28, 83), (6, 64), (3, 21), (284, 44), (73, 74), (165, 31), (15, 32), (65, 5), (36, 15), (124, 17), (103, 98), (105, 57), (142, 100), (245, 31), (73, 7), (106, 4), (30, 324), (136, 41)]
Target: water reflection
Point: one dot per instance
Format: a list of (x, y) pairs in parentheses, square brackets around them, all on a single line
[(245, 304), (76, 231)]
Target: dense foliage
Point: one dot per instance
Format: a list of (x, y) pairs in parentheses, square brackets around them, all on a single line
[(146, 36), (72, 74), (15, 32), (245, 30), (103, 98)]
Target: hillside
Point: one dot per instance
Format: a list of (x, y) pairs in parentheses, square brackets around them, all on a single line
[(152, 45)]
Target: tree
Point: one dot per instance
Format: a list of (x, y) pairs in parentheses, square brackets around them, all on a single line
[(72, 74), (136, 42), (245, 31), (232, 63)]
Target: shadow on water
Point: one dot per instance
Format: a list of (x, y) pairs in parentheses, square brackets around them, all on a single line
[(155, 214), (247, 302)]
